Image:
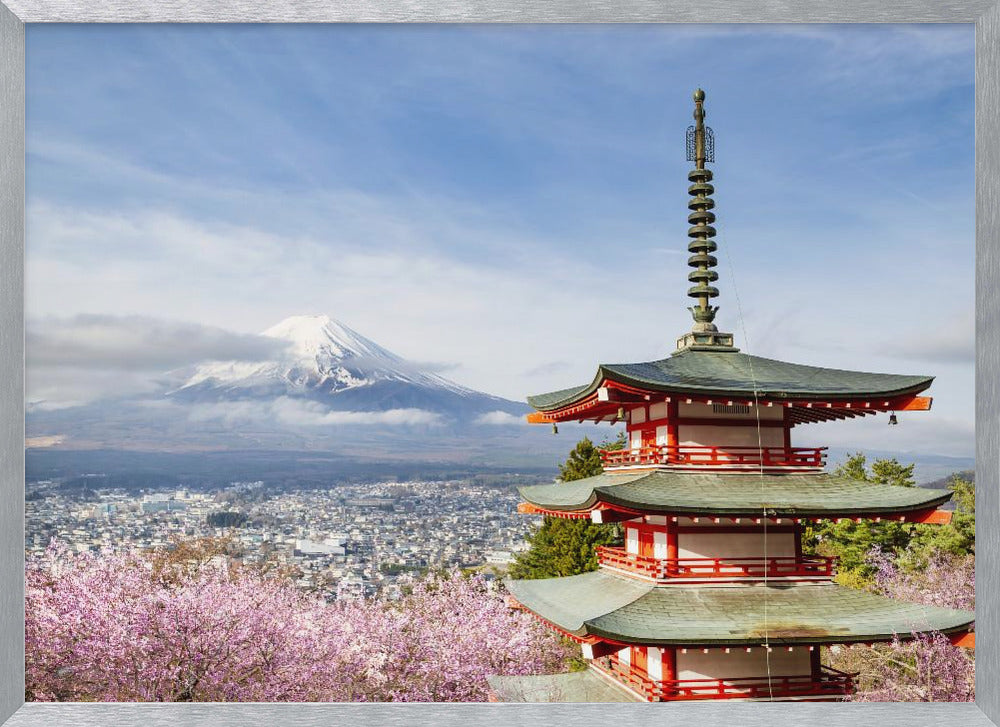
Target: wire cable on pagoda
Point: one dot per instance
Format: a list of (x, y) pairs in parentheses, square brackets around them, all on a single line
[(701, 149), (760, 471)]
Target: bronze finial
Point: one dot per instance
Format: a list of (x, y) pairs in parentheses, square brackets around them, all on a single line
[(701, 149)]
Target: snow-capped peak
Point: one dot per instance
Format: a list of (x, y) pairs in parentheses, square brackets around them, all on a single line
[(320, 335), (321, 355)]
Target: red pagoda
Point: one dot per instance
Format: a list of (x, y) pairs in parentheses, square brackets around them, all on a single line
[(711, 596)]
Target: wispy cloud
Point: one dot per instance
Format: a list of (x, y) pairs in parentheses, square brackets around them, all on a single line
[(137, 343), (500, 418), (300, 413)]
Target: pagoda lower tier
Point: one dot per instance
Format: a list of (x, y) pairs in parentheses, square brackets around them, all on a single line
[(734, 641)]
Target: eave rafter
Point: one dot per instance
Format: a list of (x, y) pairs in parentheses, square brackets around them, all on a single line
[(603, 512), (603, 404)]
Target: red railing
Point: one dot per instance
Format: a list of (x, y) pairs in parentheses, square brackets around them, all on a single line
[(719, 457), (753, 567), (830, 682)]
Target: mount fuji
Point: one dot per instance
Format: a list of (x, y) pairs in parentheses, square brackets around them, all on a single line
[(326, 362), (323, 390)]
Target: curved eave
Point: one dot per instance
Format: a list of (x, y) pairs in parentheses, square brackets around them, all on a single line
[(895, 385), (616, 609), (734, 495)]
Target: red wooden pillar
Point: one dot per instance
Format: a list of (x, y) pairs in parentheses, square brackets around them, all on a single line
[(798, 541), (671, 539), (669, 660), (672, 409), (787, 427), (646, 541), (639, 660), (669, 657), (814, 663)]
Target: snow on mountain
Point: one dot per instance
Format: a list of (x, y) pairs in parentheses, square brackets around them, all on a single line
[(326, 360)]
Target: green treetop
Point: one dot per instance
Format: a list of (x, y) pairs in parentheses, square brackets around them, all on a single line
[(566, 547)]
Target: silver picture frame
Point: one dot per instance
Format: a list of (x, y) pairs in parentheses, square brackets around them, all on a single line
[(14, 14)]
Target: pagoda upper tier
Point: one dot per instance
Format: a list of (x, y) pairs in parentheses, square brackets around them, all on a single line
[(812, 393)]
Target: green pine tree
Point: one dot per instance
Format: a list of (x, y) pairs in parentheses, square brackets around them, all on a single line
[(957, 537), (850, 541), (566, 547)]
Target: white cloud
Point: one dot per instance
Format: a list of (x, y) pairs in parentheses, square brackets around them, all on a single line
[(500, 418), (300, 413)]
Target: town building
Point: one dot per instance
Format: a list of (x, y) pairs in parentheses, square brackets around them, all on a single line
[(711, 596)]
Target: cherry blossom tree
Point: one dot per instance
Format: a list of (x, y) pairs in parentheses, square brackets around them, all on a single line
[(916, 667), (114, 628)]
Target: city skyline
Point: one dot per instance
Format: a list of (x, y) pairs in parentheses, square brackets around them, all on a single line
[(503, 205)]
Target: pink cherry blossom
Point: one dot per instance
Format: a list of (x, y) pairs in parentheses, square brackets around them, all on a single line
[(107, 628)]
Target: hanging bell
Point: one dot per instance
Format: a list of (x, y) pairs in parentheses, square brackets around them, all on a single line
[(893, 420), (555, 429), (620, 416)]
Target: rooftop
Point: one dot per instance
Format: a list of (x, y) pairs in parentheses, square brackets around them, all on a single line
[(618, 608), (731, 373)]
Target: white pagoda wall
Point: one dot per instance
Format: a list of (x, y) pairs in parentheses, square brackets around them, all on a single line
[(717, 664), (734, 545), (706, 435)]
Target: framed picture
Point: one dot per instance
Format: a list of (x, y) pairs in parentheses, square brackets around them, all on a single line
[(214, 186)]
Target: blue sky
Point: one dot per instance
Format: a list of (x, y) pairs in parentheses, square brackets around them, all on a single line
[(508, 204)]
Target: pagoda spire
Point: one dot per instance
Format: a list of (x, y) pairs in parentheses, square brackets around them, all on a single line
[(701, 149)]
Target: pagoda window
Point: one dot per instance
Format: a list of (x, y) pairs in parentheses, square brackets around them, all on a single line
[(654, 664), (662, 436), (660, 544), (727, 411), (635, 439), (625, 655), (632, 540), (638, 415)]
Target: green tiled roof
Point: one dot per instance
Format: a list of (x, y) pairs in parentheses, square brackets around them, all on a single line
[(619, 608), (577, 686), (717, 372), (735, 494)]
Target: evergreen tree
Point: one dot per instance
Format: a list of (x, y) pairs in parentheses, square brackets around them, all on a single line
[(851, 542), (565, 547), (956, 538)]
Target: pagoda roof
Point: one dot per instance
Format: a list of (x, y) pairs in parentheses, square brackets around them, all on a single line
[(817, 494), (575, 686), (737, 374), (617, 608)]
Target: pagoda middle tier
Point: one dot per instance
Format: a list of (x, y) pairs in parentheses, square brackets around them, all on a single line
[(615, 496)]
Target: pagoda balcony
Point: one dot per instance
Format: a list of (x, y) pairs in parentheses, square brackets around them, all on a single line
[(664, 570), (697, 457), (830, 683)]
